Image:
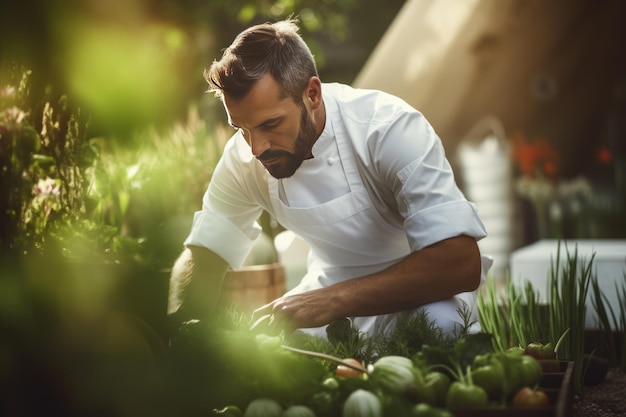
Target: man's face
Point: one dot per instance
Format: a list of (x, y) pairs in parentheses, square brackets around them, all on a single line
[(279, 131)]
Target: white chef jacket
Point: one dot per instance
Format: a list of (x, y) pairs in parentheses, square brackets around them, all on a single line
[(377, 188)]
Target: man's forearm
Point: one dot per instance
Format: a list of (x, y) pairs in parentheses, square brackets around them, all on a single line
[(196, 283), (435, 273)]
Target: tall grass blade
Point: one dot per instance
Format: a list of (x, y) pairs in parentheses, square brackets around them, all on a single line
[(491, 315), (568, 290)]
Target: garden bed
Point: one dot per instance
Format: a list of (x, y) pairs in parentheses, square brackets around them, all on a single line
[(558, 387)]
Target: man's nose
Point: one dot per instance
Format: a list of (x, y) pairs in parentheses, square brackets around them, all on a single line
[(258, 142)]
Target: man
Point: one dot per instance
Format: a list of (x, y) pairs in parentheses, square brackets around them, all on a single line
[(359, 174)]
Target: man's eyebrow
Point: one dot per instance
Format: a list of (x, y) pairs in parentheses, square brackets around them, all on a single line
[(263, 123), (270, 121)]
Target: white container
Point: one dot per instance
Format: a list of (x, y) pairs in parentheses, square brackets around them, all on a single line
[(533, 263), (485, 163)]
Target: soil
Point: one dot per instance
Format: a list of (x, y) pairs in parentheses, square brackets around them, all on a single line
[(607, 399)]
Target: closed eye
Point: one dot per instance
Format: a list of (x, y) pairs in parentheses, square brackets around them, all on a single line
[(265, 125), (270, 124)]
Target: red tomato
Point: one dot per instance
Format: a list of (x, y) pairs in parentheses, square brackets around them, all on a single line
[(346, 371), (530, 398)]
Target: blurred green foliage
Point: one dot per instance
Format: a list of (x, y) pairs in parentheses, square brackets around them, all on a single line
[(107, 144), (43, 149), (89, 227), (92, 194), (133, 63)]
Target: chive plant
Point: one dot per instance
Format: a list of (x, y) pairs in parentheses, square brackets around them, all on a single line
[(525, 315), (490, 307), (568, 288), (514, 317), (612, 324)]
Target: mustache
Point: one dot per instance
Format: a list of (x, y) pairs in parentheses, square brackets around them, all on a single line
[(269, 155)]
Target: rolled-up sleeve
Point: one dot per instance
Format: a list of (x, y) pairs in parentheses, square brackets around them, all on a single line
[(412, 160), (442, 222)]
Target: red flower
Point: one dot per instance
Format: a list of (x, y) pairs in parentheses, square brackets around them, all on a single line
[(535, 157), (604, 156)]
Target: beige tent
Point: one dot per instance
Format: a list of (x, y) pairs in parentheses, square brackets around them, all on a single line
[(481, 70), (545, 68)]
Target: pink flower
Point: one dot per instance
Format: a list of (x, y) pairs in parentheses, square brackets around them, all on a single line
[(47, 188), (14, 115)]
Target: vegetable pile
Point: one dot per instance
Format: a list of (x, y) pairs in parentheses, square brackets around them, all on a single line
[(239, 373)]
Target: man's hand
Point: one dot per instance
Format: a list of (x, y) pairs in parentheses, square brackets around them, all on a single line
[(306, 310)]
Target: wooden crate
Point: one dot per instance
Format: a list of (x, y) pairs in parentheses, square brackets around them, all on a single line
[(253, 286)]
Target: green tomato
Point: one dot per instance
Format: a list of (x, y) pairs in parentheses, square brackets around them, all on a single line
[(530, 371), (439, 384), (420, 391), (519, 371), (491, 378), (483, 360), (540, 351), (464, 395)]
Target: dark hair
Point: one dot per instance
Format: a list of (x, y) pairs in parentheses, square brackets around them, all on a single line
[(274, 48)]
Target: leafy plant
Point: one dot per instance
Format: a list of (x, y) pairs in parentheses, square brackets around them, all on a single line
[(149, 191), (44, 154)]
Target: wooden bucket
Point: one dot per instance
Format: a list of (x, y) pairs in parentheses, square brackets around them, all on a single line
[(253, 286)]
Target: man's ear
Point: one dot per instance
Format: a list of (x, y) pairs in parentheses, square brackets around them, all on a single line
[(313, 93)]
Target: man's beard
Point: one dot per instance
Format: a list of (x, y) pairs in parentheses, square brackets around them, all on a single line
[(302, 145)]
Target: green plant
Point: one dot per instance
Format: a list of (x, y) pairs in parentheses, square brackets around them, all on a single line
[(514, 317), (519, 318), (525, 315), (44, 154), (149, 191), (568, 288), (611, 323), (490, 305)]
